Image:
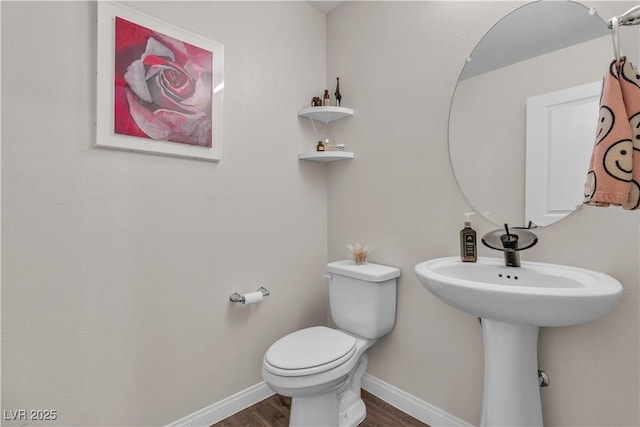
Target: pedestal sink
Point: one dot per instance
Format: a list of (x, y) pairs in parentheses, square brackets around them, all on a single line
[(513, 303)]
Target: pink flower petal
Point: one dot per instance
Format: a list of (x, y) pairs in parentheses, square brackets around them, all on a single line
[(135, 78), (146, 121), (154, 47)]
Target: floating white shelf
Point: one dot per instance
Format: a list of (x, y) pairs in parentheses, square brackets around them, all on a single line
[(326, 156), (325, 114)]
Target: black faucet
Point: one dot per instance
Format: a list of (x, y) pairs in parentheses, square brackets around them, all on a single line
[(510, 243)]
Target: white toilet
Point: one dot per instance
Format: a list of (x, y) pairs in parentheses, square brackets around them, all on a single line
[(322, 368)]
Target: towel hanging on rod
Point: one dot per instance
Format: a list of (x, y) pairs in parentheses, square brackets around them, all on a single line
[(613, 177), (614, 171)]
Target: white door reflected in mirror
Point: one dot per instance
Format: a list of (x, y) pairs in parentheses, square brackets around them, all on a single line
[(561, 127)]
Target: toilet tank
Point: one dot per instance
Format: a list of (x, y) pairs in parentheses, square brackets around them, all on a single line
[(362, 298)]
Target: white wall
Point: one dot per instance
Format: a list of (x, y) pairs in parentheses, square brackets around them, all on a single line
[(398, 64), (117, 267)]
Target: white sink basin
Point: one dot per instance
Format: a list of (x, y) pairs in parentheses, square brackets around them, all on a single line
[(514, 302), (537, 294)]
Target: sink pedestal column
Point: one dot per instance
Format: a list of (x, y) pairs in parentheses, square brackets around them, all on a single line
[(511, 393)]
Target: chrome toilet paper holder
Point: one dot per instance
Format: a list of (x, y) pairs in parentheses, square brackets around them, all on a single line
[(236, 297)]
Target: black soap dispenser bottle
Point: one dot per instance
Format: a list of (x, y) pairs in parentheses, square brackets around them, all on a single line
[(468, 241)]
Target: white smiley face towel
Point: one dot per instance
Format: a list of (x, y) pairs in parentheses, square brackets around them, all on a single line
[(614, 171)]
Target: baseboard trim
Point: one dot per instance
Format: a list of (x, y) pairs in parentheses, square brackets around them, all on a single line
[(408, 403), (225, 408), (417, 408)]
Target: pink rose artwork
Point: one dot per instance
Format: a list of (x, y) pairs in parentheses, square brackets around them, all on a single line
[(162, 87)]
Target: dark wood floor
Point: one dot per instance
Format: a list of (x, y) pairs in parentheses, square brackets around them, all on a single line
[(274, 412)]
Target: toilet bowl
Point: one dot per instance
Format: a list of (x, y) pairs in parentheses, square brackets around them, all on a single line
[(325, 381), (321, 368)]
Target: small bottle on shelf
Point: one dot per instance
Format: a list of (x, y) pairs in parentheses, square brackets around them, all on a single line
[(326, 99), (319, 146)]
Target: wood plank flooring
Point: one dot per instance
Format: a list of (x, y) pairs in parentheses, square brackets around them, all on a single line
[(274, 412)]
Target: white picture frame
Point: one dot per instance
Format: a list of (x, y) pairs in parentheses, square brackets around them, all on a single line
[(188, 138)]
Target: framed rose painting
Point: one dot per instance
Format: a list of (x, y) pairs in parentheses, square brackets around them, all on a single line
[(160, 87)]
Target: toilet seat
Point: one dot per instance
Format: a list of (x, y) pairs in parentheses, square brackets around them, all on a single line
[(309, 351)]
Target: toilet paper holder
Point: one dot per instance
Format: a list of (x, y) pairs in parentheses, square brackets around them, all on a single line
[(236, 297)]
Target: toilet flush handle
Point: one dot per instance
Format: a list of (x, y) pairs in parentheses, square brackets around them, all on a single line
[(328, 276)]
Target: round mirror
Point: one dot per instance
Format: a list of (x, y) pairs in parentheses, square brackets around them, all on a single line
[(524, 113)]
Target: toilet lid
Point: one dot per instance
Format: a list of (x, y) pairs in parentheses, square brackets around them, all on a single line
[(311, 348)]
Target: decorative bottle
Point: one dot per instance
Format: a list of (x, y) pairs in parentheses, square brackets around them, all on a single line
[(326, 99), (337, 94), (468, 245)]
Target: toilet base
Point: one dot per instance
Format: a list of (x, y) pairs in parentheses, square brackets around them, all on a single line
[(352, 410), (319, 410), (354, 413), (325, 410)]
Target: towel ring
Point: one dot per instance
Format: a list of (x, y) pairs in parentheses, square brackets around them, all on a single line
[(615, 34)]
